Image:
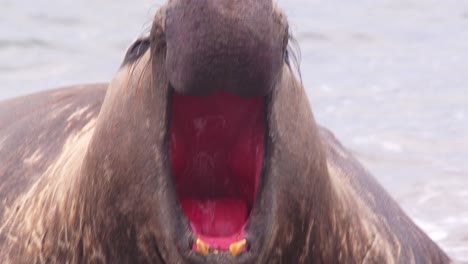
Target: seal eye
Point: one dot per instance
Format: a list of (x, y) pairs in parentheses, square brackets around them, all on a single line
[(136, 50)]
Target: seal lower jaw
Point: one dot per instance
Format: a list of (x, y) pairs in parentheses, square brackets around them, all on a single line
[(217, 152)]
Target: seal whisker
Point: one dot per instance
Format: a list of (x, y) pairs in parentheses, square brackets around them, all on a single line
[(293, 56)]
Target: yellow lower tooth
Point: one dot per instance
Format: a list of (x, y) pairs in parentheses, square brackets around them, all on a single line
[(237, 248), (202, 247)]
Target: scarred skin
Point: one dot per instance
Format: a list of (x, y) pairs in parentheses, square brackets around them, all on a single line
[(85, 174)]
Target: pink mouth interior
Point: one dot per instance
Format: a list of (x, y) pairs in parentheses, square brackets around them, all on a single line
[(216, 147)]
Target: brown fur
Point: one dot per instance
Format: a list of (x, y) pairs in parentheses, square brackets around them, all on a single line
[(78, 187)]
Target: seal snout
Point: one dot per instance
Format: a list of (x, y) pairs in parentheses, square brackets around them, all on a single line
[(213, 45)]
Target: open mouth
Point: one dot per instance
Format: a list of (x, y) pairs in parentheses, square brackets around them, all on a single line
[(217, 151)]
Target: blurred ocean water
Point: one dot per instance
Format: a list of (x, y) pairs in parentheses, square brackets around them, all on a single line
[(389, 77)]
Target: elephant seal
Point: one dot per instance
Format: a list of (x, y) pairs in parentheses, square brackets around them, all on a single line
[(202, 149)]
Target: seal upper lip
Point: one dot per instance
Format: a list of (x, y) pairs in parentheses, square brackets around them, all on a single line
[(216, 153)]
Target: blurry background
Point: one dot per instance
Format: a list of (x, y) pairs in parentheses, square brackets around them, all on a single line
[(389, 77)]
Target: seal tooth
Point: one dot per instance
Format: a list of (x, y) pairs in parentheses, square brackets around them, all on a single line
[(202, 247), (238, 247)]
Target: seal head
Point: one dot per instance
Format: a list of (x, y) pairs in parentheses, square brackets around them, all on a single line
[(205, 150)]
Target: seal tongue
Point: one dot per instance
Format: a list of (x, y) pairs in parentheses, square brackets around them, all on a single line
[(216, 150), (216, 218)]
